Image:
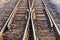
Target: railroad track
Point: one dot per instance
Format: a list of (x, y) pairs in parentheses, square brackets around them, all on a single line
[(40, 21), (6, 11), (27, 20), (18, 23), (54, 11)]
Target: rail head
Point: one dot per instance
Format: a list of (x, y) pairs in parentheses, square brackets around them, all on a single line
[(31, 11), (26, 27), (32, 6), (28, 2), (33, 28)]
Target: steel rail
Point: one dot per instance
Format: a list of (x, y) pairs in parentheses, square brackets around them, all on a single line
[(31, 9), (34, 34), (26, 28), (28, 2), (48, 12), (11, 15)]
